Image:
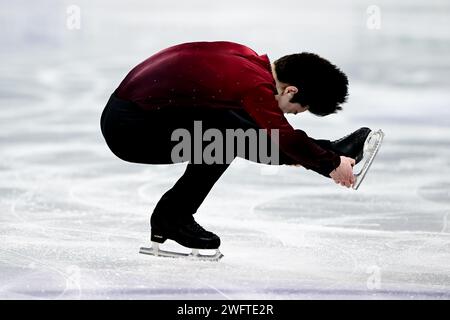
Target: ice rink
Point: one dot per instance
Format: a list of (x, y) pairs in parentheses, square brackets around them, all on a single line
[(73, 216)]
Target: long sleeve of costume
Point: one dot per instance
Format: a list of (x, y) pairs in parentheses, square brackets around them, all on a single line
[(263, 108)]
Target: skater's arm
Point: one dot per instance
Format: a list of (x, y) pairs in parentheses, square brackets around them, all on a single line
[(343, 174), (261, 105)]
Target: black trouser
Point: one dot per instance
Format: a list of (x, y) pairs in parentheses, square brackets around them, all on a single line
[(141, 136)]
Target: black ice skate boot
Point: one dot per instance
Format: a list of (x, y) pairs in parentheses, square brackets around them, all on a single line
[(352, 145), (185, 231), (364, 143)]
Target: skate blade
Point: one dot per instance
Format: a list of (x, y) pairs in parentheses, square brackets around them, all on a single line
[(194, 255), (359, 177)]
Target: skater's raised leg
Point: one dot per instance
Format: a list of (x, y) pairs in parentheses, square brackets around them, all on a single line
[(352, 145), (358, 145)]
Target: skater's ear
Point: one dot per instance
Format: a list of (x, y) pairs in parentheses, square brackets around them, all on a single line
[(290, 90)]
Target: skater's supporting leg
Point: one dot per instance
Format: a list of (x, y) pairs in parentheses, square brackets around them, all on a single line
[(173, 215), (188, 193)]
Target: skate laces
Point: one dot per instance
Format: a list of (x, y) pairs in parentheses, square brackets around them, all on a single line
[(351, 134), (342, 139), (196, 227)]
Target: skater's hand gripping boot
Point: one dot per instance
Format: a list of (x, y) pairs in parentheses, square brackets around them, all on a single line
[(343, 174)]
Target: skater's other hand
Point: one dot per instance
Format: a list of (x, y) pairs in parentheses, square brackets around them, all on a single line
[(343, 174)]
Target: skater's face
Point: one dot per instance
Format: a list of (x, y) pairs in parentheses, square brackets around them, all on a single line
[(284, 97)]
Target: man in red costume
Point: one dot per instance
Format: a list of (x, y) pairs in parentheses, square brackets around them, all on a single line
[(224, 85)]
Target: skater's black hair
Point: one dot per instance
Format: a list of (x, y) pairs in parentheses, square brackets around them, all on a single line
[(321, 85)]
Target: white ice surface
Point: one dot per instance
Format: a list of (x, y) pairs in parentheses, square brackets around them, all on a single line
[(72, 216)]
